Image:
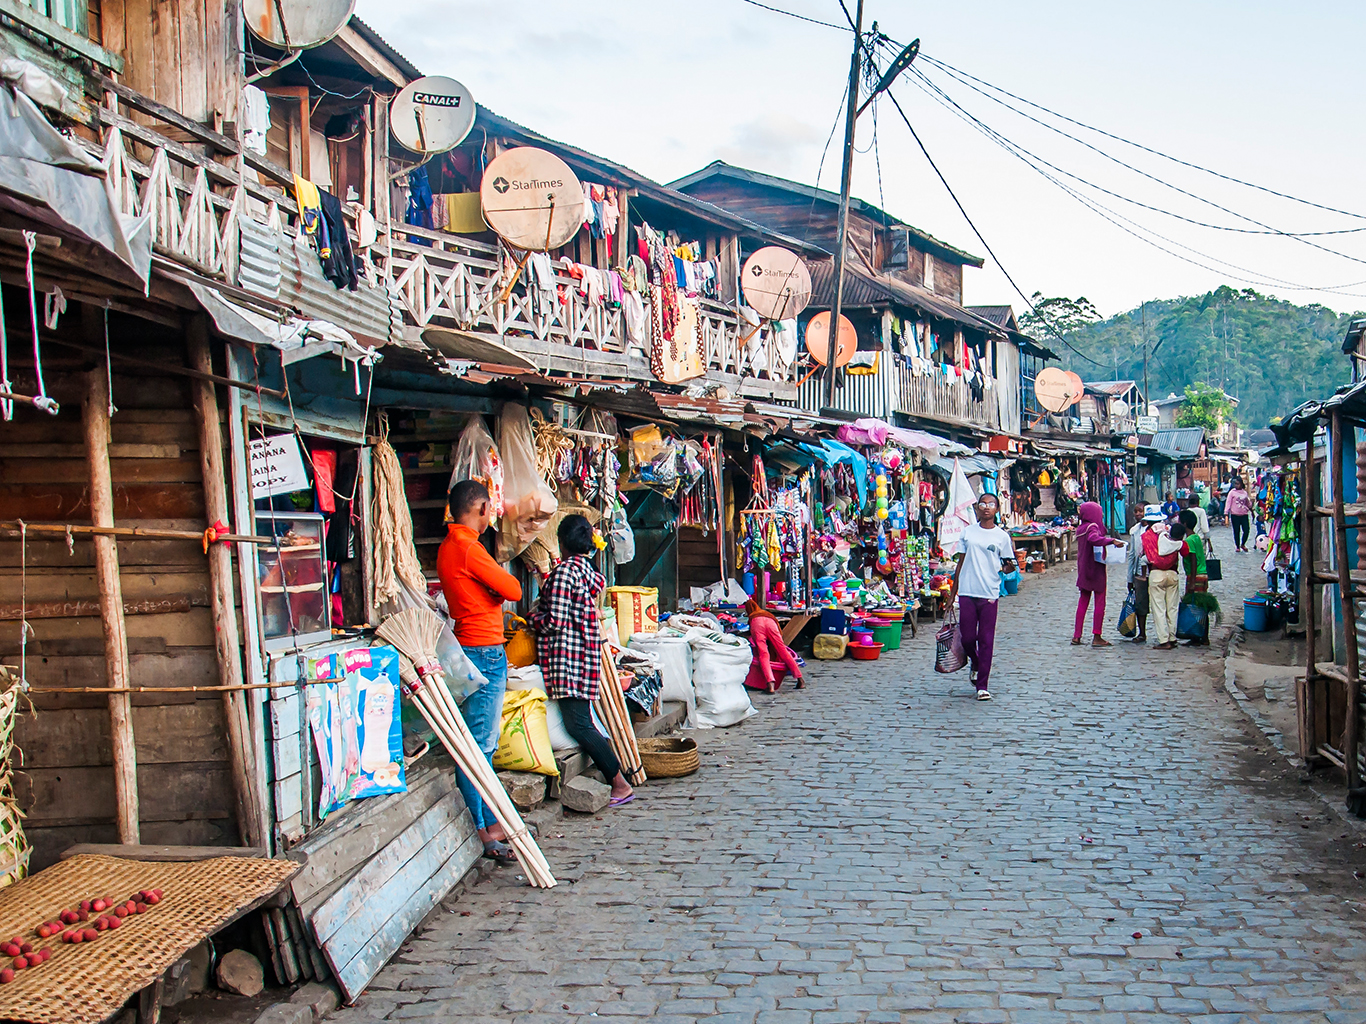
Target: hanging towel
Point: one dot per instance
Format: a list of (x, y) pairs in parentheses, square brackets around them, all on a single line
[(464, 215), (339, 261), (255, 119)]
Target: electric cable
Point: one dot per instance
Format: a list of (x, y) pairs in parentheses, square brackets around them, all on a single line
[(1000, 266), (793, 14), (1138, 145)]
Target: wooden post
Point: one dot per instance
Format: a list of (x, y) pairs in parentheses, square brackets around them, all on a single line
[(1350, 738), (227, 645), (96, 420), (1306, 695)]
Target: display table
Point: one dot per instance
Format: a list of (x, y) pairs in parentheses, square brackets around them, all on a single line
[(1038, 542)]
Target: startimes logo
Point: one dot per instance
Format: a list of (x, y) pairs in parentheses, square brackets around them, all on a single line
[(500, 184)]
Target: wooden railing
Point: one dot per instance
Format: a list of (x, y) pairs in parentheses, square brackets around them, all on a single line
[(931, 396)]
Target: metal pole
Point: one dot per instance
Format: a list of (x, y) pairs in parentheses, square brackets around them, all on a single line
[(842, 232), (1144, 329)]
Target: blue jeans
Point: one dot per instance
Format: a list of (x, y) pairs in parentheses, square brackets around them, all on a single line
[(483, 714)]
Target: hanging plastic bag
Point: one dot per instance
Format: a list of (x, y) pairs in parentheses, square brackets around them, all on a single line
[(1128, 616), (622, 537), (477, 458), (528, 501), (949, 655)]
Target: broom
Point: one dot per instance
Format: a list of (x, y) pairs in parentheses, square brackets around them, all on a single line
[(414, 632), (611, 705)]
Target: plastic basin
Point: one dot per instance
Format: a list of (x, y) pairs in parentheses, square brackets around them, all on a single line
[(865, 652), (888, 636)]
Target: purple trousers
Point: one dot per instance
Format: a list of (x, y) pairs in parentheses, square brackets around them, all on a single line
[(977, 630)]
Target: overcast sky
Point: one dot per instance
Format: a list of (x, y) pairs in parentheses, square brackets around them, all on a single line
[(1261, 91)]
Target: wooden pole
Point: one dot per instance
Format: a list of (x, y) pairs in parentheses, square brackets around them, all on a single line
[(227, 643), (1308, 551), (96, 421), (1350, 738)]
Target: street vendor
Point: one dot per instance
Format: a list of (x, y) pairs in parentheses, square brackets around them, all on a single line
[(476, 587), (569, 647), (766, 638)]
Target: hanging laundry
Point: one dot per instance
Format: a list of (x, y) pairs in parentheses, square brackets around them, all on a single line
[(464, 214), (255, 115), (310, 209), (339, 261), (633, 311), (541, 283), (419, 211), (611, 213)]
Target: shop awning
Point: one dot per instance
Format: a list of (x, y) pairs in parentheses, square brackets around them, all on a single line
[(1300, 425), (40, 165), (834, 452), (1073, 449), (972, 464)]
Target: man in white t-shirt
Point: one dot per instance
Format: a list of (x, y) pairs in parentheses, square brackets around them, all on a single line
[(984, 552)]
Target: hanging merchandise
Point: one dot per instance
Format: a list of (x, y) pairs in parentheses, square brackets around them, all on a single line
[(528, 501), (621, 537), (476, 458)]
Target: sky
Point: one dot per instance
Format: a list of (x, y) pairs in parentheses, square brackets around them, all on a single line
[(1260, 91)]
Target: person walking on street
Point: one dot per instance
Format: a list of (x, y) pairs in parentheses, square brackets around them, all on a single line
[(1238, 506), (569, 647), (1138, 567), (476, 587), (1162, 548), (1201, 525), (984, 552), (1091, 576)]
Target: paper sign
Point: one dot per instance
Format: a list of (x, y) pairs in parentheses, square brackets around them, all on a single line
[(276, 466)]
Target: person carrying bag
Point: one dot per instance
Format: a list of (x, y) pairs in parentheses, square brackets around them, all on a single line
[(984, 552)]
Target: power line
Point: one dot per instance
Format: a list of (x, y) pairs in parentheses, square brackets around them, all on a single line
[(793, 14), (1147, 149), (1028, 158), (1153, 177), (949, 188)]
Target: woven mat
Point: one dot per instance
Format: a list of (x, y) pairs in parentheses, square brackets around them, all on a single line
[(86, 983)]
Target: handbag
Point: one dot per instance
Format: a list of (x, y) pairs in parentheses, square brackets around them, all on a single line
[(949, 655), (1214, 569), (1192, 623), (1128, 616)]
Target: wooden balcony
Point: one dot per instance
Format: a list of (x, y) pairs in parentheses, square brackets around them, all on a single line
[(931, 396)]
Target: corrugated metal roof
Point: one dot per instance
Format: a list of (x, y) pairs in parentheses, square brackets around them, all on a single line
[(366, 312), (1113, 388), (382, 45), (719, 168), (1001, 316), (861, 288), (1179, 443)]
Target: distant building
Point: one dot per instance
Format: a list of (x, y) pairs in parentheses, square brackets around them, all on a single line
[(1168, 411)]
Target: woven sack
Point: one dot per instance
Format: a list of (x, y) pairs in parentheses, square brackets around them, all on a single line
[(949, 655)]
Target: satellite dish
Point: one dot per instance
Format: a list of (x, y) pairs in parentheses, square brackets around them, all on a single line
[(1120, 407), (296, 24), (532, 199), (1078, 387), (476, 348), (432, 115), (1055, 390), (776, 282), (818, 339)]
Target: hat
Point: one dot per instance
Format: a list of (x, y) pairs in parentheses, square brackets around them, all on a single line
[(1153, 514)]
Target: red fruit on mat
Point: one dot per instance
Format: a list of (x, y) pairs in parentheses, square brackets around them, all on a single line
[(85, 905), (115, 922), (84, 915), (20, 963), (44, 931), (75, 935), (68, 917), (142, 908), (121, 911), (153, 898), (101, 924), (91, 935), (6, 976), (98, 905), (132, 906), (47, 954), (26, 947)]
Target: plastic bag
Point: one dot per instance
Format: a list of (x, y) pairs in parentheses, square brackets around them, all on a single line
[(1192, 622), (462, 678), (524, 740), (622, 537), (528, 501), (720, 663), (1128, 616), (949, 655), (477, 458)]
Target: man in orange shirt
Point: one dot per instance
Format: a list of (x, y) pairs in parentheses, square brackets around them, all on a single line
[(476, 587)]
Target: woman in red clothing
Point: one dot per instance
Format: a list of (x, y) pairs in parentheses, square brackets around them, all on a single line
[(767, 640)]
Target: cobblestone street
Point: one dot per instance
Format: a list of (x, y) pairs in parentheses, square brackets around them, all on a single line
[(1108, 840)]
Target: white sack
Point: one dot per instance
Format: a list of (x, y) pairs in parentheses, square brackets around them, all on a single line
[(720, 663), (675, 666)]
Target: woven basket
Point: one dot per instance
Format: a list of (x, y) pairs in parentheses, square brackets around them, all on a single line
[(14, 848), (668, 757)]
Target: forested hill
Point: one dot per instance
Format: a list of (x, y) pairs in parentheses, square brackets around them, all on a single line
[(1271, 354)]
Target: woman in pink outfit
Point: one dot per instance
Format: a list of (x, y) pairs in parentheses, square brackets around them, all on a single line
[(1091, 573), (765, 636)]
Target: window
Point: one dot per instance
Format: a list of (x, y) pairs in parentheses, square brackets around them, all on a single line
[(898, 249), (75, 15)]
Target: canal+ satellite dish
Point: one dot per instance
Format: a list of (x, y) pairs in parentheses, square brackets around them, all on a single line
[(532, 199), (776, 282), (296, 24), (432, 115), (818, 339), (1055, 390)]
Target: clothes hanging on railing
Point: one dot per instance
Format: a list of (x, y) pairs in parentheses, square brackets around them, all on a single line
[(338, 259)]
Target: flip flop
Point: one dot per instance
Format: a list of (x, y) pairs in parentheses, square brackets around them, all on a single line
[(500, 853), (617, 801)]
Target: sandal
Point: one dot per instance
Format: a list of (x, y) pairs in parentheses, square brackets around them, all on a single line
[(500, 853), (1076, 641), (1100, 641), (617, 801)]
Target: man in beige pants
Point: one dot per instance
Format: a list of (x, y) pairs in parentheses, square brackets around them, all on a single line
[(1163, 548)]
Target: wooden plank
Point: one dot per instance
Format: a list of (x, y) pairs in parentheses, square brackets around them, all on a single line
[(161, 853), (289, 800), (191, 65), (287, 757), (76, 451), (71, 502), (74, 41), (358, 832), (383, 871), (84, 609), (80, 585), (165, 734), (185, 666), (284, 715), (125, 471), (182, 629), (185, 791), (357, 973)]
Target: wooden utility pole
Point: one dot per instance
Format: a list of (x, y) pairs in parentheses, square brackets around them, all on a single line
[(842, 231), (227, 643), (96, 422)]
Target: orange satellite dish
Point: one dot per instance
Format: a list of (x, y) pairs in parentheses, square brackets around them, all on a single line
[(1078, 388), (1057, 389), (532, 199), (818, 339)]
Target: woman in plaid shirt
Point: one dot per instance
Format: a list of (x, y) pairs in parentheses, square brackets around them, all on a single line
[(569, 647)]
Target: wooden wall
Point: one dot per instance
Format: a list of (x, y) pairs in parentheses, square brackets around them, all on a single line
[(66, 786), (182, 53)]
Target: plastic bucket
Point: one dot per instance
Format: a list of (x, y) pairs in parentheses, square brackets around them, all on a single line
[(1255, 618), (889, 636)]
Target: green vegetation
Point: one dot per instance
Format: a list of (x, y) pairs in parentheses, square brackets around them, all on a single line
[(1205, 407), (1270, 354)]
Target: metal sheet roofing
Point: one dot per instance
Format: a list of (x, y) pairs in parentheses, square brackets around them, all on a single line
[(862, 288), (1001, 316), (1113, 388), (1179, 443)]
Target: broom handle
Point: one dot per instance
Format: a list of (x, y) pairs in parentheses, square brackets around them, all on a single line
[(613, 706)]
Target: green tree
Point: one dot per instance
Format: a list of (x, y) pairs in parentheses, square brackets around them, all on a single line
[(1058, 314), (1205, 406)]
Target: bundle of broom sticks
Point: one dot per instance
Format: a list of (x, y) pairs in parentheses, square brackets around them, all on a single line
[(611, 705), (414, 633)]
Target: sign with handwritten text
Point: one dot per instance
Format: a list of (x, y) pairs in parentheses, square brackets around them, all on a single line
[(276, 466)]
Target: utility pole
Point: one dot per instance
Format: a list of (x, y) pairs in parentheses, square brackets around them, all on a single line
[(842, 230), (1144, 329)]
